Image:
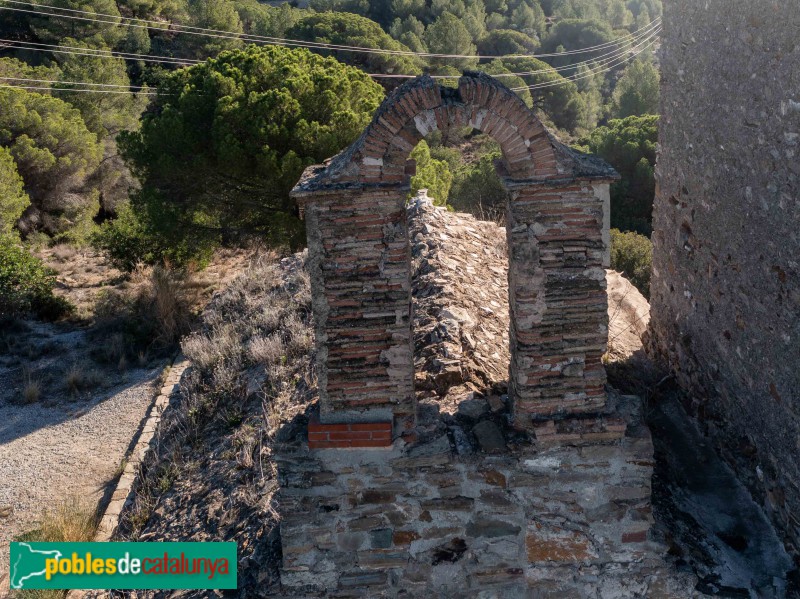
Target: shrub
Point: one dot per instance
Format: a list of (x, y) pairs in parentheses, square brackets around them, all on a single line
[(150, 315), (129, 240), (432, 174), (632, 255), (477, 189), (26, 284)]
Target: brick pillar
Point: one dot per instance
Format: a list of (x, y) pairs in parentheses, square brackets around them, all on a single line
[(359, 262), (558, 303)]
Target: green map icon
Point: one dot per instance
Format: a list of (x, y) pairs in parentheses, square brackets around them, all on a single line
[(28, 563)]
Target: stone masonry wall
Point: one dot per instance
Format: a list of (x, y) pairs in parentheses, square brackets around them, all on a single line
[(567, 516), (557, 290), (361, 295), (726, 281)]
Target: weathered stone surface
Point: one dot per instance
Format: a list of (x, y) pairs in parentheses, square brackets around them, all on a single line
[(575, 520), (557, 545), (473, 409), (489, 527), (489, 437), (726, 279)]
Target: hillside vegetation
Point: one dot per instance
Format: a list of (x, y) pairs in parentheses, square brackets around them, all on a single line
[(162, 129)]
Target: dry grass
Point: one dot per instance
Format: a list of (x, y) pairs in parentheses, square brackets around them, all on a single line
[(82, 377), (63, 252), (72, 521), (146, 317), (31, 387), (266, 349), (250, 373)]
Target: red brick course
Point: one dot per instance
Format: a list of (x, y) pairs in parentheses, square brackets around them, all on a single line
[(349, 435)]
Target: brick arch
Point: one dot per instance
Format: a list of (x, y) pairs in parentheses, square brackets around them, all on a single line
[(421, 106), (360, 265)]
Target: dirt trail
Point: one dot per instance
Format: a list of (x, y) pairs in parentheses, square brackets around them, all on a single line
[(49, 453)]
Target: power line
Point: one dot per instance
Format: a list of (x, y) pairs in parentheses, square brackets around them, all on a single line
[(647, 43), (617, 52), (177, 28), (79, 51), (592, 72), (92, 91), (93, 52), (61, 82)]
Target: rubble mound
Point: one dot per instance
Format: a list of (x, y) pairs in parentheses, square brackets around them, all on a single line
[(460, 290)]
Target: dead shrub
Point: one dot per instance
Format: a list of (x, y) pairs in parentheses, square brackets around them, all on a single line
[(207, 349), (147, 317), (298, 333), (82, 377), (31, 387), (266, 349)]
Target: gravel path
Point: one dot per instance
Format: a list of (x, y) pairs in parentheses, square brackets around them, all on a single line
[(49, 453)]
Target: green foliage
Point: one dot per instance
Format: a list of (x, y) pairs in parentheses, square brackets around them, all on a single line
[(477, 189), (104, 114), (102, 31), (575, 34), (26, 285), (560, 101), (262, 19), (54, 152), (432, 174), (11, 67), (637, 91), (528, 18), (249, 147), (449, 35), (632, 255), (13, 199), (227, 139), (629, 145), (354, 30), (506, 41), (210, 14), (171, 10), (143, 236)]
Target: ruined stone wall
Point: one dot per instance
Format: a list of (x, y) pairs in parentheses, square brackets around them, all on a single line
[(566, 516), (726, 282), (361, 294), (360, 263), (558, 303)]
